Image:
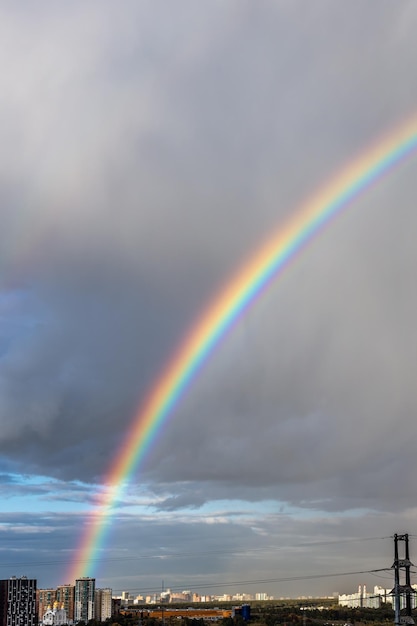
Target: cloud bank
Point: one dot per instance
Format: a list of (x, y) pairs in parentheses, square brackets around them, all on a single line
[(146, 153)]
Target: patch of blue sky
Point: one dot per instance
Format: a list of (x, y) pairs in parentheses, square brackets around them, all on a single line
[(23, 492)]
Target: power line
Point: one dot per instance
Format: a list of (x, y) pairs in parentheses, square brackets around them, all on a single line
[(258, 581), (194, 554)]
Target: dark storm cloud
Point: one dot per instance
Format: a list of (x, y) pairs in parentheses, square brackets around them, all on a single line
[(145, 154)]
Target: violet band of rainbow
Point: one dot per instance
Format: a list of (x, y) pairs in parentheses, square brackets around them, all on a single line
[(268, 262)]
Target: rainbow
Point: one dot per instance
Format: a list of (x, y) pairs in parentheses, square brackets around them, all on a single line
[(255, 275)]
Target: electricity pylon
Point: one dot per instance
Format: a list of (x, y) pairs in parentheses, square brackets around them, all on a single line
[(402, 584)]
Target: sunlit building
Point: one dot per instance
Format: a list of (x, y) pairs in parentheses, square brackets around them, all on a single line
[(261, 596), (45, 599), (103, 609), (84, 599), (363, 599), (65, 596), (138, 600)]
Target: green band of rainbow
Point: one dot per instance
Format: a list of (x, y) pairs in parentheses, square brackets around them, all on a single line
[(226, 308)]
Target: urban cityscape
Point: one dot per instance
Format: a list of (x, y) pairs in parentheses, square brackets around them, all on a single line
[(208, 344), (22, 603)]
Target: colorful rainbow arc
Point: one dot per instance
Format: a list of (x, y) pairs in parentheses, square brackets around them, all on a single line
[(226, 308)]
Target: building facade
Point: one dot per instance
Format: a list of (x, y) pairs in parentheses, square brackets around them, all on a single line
[(45, 599), (65, 596), (18, 602), (363, 599), (103, 608), (84, 599)]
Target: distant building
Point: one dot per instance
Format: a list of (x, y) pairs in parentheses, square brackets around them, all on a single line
[(139, 599), (261, 596), (224, 598), (413, 598), (103, 608), (84, 599), (18, 602), (126, 599), (65, 596), (385, 594), (363, 599)]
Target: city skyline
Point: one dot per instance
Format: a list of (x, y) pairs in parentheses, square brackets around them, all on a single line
[(147, 155), (161, 590), (23, 603), (84, 600)]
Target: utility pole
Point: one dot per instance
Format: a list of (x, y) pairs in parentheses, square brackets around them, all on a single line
[(402, 582), (162, 604)]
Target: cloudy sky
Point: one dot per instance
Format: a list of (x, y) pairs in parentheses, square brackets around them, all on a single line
[(147, 150)]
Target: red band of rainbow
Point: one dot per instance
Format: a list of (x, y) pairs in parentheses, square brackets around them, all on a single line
[(268, 262)]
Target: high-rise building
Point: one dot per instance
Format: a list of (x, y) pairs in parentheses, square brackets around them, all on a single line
[(103, 604), (18, 602), (84, 599), (45, 599), (65, 595)]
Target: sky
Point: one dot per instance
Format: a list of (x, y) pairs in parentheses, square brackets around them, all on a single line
[(147, 151)]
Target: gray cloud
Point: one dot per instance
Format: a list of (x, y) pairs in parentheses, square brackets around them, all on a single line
[(145, 155)]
